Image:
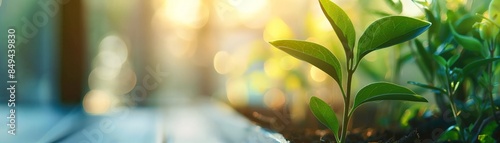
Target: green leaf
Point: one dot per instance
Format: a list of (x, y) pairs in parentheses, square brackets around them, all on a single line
[(409, 114), (484, 138), (385, 91), (422, 3), (389, 31), (469, 68), (341, 24), (469, 43), (487, 132), (424, 60), (324, 113), (453, 59), (486, 29), (494, 11), (435, 89), (440, 60), (434, 28), (395, 5), (451, 134), (457, 75), (466, 23), (312, 53), (479, 6), (379, 13)]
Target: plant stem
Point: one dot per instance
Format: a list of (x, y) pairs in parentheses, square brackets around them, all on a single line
[(483, 125), (491, 81), (451, 94), (347, 102), (453, 106)]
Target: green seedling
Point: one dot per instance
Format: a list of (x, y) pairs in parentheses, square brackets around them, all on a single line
[(459, 65), (382, 33)]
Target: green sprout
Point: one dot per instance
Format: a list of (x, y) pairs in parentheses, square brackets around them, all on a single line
[(459, 62), (385, 32)]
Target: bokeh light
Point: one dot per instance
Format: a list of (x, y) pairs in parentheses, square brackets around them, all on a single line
[(113, 51), (274, 98), (112, 75), (189, 13), (273, 69), (277, 29), (97, 102), (317, 74), (259, 82), (253, 13), (222, 62), (237, 93)]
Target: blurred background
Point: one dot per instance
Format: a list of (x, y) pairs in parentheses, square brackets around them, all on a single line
[(90, 59)]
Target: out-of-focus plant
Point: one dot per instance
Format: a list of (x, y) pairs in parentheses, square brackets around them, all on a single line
[(382, 33), (458, 62), (393, 65)]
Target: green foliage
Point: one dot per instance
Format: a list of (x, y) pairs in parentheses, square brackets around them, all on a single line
[(494, 11), (341, 24), (441, 61), (385, 91), (469, 43), (476, 65), (451, 134), (485, 138), (435, 89), (312, 53), (389, 31), (382, 33), (489, 129), (324, 114), (467, 80), (397, 6)]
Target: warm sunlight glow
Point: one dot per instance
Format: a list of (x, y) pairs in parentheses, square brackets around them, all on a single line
[(97, 102), (259, 82), (113, 52), (272, 68), (191, 13), (104, 73), (222, 62), (289, 62), (411, 9), (127, 79), (238, 62), (317, 74), (236, 90), (274, 98), (293, 83), (372, 57), (252, 13), (277, 29), (249, 8), (178, 47)]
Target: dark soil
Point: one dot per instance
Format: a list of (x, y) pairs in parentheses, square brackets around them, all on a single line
[(310, 131)]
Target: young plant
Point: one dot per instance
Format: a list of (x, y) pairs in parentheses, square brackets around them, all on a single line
[(382, 33), (470, 47)]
